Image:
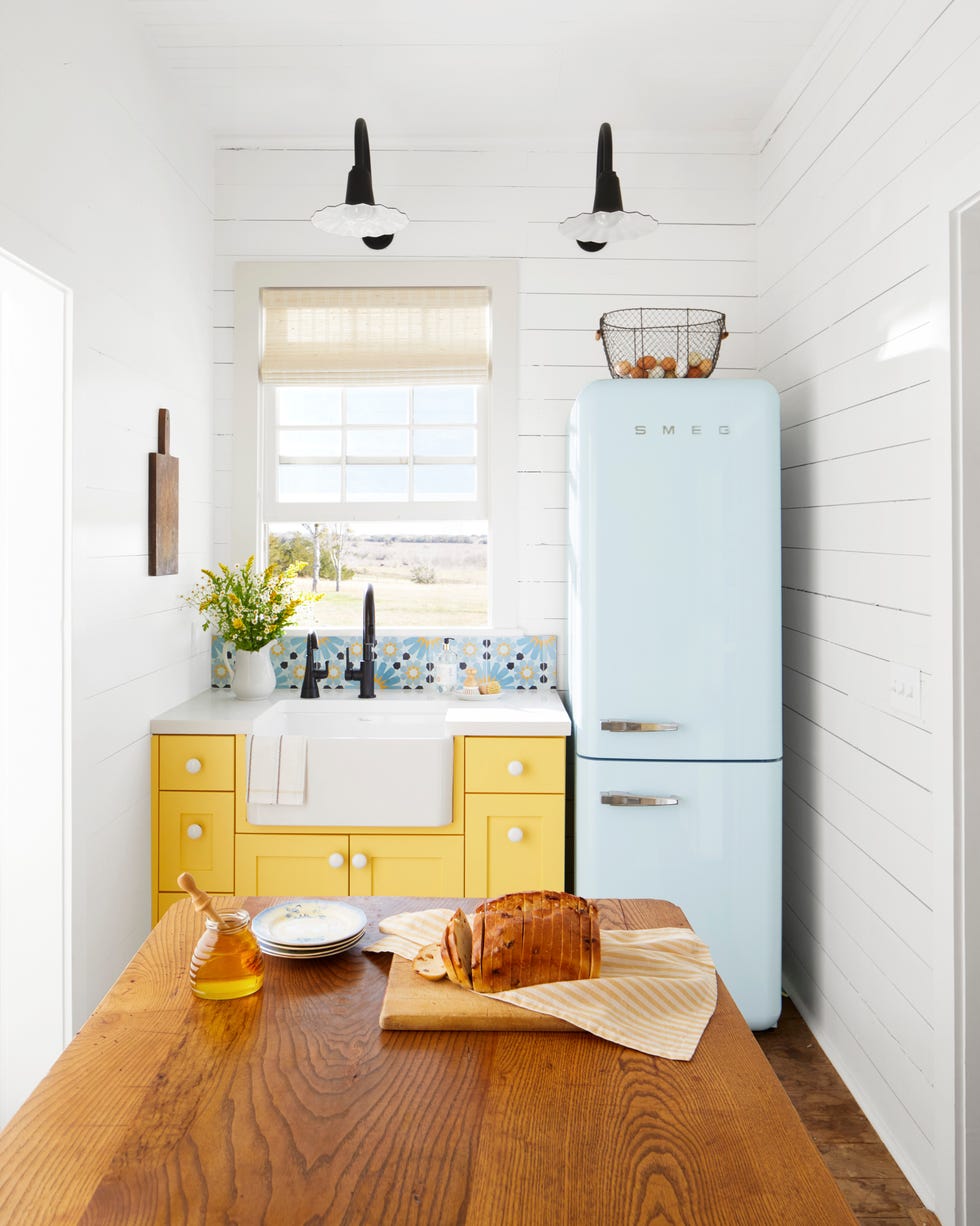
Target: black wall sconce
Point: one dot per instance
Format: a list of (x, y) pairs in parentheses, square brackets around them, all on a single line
[(359, 217), (607, 223)]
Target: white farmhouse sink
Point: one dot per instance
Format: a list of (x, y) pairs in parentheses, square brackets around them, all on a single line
[(369, 762)]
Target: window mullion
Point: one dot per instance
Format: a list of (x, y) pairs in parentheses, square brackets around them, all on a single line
[(343, 447), (411, 444)]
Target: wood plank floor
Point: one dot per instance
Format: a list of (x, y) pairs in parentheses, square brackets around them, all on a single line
[(874, 1187)]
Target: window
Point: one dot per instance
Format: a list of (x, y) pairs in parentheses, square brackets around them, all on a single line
[(383, 419), (351, 447)]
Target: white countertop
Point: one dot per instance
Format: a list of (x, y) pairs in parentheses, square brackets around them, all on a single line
[(515, 713)]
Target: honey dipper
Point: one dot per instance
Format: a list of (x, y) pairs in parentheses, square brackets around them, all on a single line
[(202, 899)]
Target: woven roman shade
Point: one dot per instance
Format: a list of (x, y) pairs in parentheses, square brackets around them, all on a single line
[(357, 336)]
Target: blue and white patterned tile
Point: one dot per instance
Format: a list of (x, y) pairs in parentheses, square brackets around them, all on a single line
[(518, 662)]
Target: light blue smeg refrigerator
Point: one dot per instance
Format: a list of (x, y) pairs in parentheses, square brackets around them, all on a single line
[(674, 661)]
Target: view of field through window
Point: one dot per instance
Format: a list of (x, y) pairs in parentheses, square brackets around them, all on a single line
[(426, 575)]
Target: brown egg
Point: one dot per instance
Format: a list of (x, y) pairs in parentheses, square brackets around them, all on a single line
[(694, 372), (706, 366), (670, 374), (623, 368), (668, 363), (637, 373), (647, 362)]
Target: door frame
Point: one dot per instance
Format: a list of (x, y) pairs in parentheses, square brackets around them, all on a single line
[(956, 791), (51, 908)]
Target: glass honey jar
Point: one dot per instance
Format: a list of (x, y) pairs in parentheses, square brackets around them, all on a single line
[(227, 961)]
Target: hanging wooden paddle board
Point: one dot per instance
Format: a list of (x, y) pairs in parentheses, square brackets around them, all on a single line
[(164, 502)]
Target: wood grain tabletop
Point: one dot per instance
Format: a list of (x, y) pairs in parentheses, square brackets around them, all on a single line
[(293, 1106)]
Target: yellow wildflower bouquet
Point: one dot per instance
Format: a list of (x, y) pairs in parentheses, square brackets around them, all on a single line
[(248, 607)]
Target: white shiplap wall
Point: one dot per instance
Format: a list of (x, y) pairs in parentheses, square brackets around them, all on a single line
[(887, 102), (106, 186), (505, 203)]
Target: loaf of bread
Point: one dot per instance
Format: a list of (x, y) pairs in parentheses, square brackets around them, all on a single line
[(519, 940)]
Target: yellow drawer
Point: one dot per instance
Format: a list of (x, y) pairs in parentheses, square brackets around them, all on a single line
[(197, 763), (514, 843), (297, 864), (197, 835), (515, 764), (411, 865)]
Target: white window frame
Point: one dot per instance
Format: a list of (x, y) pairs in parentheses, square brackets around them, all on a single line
[(497, 407), (280, 511)]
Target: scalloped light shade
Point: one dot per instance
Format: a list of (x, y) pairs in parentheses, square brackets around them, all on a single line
[(359, 220), (607, 227)]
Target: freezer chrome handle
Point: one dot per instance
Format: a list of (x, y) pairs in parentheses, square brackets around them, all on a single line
[(633, 725), (631, 799)]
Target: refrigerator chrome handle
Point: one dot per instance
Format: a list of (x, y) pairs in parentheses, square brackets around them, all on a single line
[(631, 799), (632, 725)]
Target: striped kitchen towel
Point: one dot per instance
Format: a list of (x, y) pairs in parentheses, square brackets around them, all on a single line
[(656, 993), (275, 770)]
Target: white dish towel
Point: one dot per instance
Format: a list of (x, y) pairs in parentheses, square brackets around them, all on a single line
[(275, 770)]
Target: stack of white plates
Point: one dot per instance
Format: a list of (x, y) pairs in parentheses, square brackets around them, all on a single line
[(308, 928)]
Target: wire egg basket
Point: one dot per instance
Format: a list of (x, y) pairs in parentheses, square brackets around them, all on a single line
[(661, 342)]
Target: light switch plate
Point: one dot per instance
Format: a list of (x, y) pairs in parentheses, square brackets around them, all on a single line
[(905, 690)]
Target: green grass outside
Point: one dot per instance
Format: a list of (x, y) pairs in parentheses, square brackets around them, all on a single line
[(399, 603)]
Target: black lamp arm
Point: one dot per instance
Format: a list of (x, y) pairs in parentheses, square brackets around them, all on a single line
[(362, 148), (604, 151), (608, 194), (360, 189)]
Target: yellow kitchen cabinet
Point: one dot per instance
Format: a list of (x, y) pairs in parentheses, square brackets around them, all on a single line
[(414, 865), (513, 797), (361, 862), (514, 843), (197, 763), (507, 831), (301, 864), (194, 787), (197, 835), (515, 764)]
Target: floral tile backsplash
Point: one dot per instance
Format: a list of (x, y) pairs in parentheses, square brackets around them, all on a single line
[(518, 662)]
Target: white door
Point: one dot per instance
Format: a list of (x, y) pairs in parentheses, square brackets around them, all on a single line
[(34, 699)]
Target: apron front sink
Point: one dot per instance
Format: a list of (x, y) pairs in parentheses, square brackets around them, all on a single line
[(369, 762)]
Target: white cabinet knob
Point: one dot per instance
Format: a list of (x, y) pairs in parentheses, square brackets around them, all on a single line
[(194, 831), (359, 861), (336, 860), (515, 834), (192, 766), (515, 767)]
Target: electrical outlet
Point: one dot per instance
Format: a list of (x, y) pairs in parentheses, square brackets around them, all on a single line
[(905, 691)]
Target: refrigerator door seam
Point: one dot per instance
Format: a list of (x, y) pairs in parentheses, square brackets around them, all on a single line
[(669, 761)]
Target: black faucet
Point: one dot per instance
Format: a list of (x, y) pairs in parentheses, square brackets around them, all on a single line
[(364, 673), (312, 674)]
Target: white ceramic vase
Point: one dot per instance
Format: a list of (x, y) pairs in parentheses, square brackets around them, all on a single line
[(254, 675)]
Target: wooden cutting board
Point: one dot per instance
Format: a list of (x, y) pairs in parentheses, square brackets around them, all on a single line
[(414, 1003), (164, 502)]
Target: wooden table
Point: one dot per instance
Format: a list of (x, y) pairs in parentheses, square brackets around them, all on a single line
[(292, 1106)]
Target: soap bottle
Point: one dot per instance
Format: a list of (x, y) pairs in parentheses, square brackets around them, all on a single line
[(447, 663)]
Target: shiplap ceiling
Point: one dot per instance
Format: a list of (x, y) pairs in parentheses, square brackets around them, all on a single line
[(528, 71)]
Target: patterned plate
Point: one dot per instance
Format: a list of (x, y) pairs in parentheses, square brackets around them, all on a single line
[(333, 947), (307, 922), (279, 951)]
